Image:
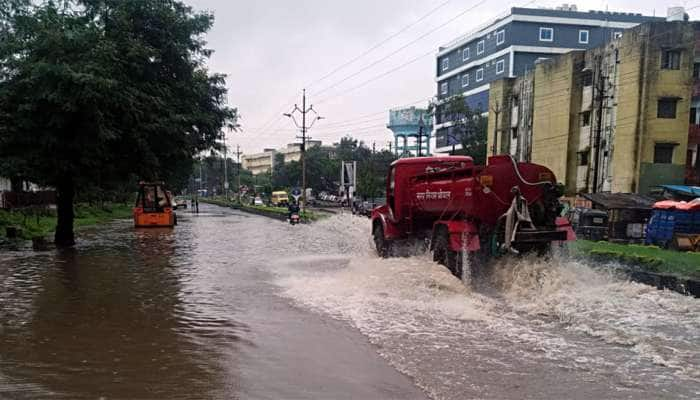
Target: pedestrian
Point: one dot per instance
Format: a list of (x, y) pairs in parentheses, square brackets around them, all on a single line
[(196, 205)]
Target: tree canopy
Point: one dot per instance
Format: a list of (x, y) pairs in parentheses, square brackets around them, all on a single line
[(468, 128), (96, 93)]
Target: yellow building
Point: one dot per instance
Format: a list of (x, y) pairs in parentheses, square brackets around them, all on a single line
[(610, 119)]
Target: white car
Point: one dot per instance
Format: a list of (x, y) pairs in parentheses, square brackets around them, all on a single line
[(258, 201)]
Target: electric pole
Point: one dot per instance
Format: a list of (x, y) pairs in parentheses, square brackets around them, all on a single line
[(420, 136), (600, 86), (225, 167), (303, 111), (238, 169), (496, 110)]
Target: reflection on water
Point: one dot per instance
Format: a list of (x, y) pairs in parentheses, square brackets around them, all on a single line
[(108, 318)]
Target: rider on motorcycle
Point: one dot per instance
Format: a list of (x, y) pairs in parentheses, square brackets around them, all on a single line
[(293, 208)]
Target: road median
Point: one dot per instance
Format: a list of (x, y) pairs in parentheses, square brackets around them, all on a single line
[(278, 213)]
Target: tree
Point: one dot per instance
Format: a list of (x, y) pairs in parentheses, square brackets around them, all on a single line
[(96, 92), (469, 127)]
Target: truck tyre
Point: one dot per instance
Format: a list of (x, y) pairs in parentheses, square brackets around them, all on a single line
[(442, 254), (383, 246)]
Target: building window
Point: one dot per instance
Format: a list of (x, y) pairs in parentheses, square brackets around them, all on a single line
[(583, 36), (465, 80), (617, 35), (663, 153), (696, 70), (694, 118), (586, 118), (583, 158), (546, 34), (479, 74), (443, 88), (480, 47), (671, 59), (500, 37), (445, 63), (465, 54), (500, 66), (666, 108)]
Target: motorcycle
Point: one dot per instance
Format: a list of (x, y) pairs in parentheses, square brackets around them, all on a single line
[(294, 219)]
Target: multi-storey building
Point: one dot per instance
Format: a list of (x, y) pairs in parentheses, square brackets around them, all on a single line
[(692, 163), (509, 47), (293, 150), (610, 119), (259, 163)]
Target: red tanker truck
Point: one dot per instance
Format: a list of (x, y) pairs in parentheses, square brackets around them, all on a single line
[(468, 211)]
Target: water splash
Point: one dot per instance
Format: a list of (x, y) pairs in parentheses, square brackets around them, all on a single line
[(526, 313)]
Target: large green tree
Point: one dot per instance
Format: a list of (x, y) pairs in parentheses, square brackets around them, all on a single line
[(94, 93), (468, 128)]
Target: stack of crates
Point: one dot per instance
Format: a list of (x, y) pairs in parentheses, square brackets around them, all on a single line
[(669, 218)]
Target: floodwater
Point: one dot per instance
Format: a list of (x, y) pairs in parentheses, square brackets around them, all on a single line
[(229, 305)]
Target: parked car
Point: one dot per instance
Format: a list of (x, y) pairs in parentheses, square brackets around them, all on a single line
[(179, 202), (588, 223), (258, 202)]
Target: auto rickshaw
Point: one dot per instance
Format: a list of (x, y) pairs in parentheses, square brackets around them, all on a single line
[(154, 206)]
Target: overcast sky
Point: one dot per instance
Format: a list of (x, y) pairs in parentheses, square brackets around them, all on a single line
[(271, 49)]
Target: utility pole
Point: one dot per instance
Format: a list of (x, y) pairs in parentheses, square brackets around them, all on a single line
[(497, 110), (420, 136), (303, 111), (238, 169), (600, 86), (225, 167)]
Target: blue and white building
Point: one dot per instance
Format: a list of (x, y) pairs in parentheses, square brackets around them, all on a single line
[(510, 46)]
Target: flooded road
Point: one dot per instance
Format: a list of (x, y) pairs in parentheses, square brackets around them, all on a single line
[(230, 305)]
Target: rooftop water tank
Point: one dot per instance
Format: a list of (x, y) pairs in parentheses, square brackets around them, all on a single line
[(675, 14)]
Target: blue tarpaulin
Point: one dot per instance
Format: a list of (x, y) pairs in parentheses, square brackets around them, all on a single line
[(683, 190)]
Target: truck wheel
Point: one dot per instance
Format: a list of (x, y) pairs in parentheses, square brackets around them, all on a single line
[(442, 254), (383, 246)]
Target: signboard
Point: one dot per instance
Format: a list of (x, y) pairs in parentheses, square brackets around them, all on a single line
[(226, 185)]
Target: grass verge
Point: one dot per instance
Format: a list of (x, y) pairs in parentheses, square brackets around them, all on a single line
[(34, 223), (647, 258)]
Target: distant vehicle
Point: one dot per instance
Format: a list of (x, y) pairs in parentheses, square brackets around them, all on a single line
[(179, 202), (588, 223), (279, 199), (258, 201), (154, 207)]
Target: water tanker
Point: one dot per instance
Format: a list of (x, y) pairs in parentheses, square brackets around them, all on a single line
[(470, 211)]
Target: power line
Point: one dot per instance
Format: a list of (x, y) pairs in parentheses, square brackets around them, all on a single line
[(426, 34), (379, 44)]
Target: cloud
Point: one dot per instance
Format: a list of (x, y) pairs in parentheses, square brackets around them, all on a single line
[(270, 50)]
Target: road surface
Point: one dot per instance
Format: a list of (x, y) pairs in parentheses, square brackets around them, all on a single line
[(230, 305)]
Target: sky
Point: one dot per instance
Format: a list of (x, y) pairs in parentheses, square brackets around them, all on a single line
[(272, 49)]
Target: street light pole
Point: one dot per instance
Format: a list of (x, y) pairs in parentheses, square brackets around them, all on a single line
[(238, 171), (303, 111), (225, 167)]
